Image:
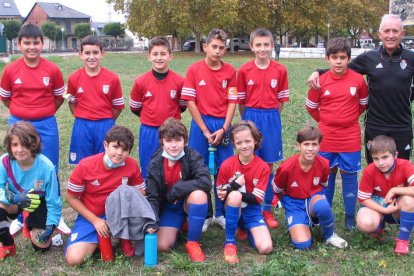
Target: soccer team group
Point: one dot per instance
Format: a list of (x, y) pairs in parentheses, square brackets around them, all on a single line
[(174, 177)]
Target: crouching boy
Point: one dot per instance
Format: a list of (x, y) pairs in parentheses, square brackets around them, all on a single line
[(299, 183), (27, 182), (386, 193)]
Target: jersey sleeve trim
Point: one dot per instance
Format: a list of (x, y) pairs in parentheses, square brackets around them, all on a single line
[(259, 194), (188, 92), (118, 101), (363, 195), (311, 105), (134, 104), (74, 188), (59, 92), (5, 93)]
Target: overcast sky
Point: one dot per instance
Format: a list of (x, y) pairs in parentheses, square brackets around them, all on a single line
[(97, 9)]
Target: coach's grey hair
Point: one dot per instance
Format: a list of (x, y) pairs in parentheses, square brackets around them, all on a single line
[(391, 17)]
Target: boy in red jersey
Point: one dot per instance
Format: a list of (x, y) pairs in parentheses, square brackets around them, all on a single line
[(155, 97), (299, 183), (336, 107), (211, 95), (92, 181), (386, 192), (241, 185), (262, 86), (32, 88), (95, 100)]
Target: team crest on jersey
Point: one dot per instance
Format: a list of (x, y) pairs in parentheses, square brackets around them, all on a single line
[(403, 64), (224, 84), (124, 180), (72, 156), (46, 81), (105, 88), (255, 181), (316, 180), (173, 94), (38, 184), (273, 83), (352, 90)]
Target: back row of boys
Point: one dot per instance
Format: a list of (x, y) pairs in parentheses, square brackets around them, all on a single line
[(260, 90)]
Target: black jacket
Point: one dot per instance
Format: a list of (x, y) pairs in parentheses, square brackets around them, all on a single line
[(194, 173)]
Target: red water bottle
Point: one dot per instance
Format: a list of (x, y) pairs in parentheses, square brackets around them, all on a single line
[(105, 246)]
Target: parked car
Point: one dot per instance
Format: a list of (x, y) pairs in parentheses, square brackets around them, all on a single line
[(190, 45), (239, 44), (321, 44)]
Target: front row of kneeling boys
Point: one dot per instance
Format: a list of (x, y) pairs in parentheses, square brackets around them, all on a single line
[(177, 187)]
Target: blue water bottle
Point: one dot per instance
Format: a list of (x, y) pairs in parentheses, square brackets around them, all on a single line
[(150, 250), (212, 168)]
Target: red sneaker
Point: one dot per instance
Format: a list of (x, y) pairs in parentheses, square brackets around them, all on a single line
[(194, 252), (270, 219), (7, 251), (241, 235), (230, 254), (401, 247), (127, 248)]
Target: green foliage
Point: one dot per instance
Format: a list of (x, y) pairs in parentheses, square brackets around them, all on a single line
[(82, 30), (49, 30), (114, 29), (11, 28)]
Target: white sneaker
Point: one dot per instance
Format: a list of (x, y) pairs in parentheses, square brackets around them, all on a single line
[(220, 221), (63, 228), (336, 241), (57, 240), (206, 224), (15, 227)]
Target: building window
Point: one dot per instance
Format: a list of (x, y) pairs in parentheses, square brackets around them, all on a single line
[(6, 4)]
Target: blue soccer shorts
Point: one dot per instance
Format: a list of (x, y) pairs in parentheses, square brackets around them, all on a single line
[(49, 134), (349, 162), (87, 138), (199, 142), (173, 215), (297, 211), (251, 217), (270, 125), (148, 144), (83, 231)]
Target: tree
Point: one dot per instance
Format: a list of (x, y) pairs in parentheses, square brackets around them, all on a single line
[(82, 30), (114, 29), (11, 30), (49, 30)]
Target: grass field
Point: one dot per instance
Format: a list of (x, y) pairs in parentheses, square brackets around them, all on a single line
[(364, 256)]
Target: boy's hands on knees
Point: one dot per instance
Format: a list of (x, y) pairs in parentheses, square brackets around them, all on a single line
[(392, 207), (28, 201), (44, 235), (390, 196), (101, 227), (221, 194)]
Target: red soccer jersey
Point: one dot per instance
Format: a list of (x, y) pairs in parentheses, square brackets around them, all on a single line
[(336, 107), (172, 174), (373, 181), (262, 88), (256, 175), (291, 180), (95, 96), (157, 99), (93, 183), (32, 91), (211, 90)]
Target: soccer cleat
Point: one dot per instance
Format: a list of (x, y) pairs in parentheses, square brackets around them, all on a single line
[(127, 248), (350, 223), (336, 241), (206, 224), (62, 228), (7, 251), (194, 252), (401, 247), (220, 221), (230, 254), (241, 235), (270, 219), (15, 227)]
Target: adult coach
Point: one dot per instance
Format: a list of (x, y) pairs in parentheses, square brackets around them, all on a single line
[(390, 72)]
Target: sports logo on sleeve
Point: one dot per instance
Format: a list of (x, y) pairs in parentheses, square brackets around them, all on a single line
[(46, 81), (352, 90), (224, 84), (273, 83), (173, 94), (316, 180), (105, 88)]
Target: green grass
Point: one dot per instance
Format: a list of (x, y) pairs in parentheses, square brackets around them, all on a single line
[(364, 255)]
